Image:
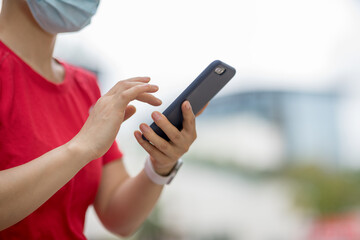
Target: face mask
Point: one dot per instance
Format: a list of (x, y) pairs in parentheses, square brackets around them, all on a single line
[(57, 16)]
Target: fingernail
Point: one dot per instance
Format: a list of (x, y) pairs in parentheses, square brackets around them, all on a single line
[(187, 105), (144, 127), (137, 135), (154, 87), (156, 116), (159, 101)]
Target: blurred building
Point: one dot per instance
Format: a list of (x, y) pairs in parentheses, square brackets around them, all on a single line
[(307, 121)]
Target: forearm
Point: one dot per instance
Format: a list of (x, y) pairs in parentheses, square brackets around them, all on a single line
[(26, 187), (131, 204)]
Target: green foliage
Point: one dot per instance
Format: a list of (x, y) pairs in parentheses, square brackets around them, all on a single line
[(319, 190), (324, 191)]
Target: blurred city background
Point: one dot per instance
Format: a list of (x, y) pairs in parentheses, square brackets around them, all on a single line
[(278, 150)]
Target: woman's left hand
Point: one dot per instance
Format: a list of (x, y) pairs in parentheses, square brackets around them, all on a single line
[(163, 154)]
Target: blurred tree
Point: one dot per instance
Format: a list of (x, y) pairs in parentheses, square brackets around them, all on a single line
[(331, 196)]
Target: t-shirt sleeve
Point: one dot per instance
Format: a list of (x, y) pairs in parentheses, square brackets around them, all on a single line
[(112, 154)]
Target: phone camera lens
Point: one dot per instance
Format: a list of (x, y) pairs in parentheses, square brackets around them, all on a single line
[(219, 70)]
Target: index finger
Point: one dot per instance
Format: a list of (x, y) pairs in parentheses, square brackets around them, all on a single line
[(134, 92), (118, 85)]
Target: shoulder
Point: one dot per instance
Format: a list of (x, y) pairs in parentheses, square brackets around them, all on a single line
[(83, 78), (8, 59), (7, 66), (3, 56), (4, 52), (81, 74)]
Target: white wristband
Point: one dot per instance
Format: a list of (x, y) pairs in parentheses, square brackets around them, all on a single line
[(158, 179)]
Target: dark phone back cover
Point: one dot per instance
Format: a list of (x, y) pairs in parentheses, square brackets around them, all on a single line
[(198, 93)]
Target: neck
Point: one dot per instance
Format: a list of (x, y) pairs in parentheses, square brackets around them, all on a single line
[(20, 31)]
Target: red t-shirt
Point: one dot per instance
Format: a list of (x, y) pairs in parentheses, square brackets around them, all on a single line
[(37, 116)]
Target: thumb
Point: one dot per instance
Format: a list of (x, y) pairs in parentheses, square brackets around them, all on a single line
[(129, 111)]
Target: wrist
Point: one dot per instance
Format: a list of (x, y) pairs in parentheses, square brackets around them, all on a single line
[(163, 170), (160, 179)]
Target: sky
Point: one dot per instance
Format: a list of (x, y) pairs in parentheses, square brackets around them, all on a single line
[(291, 44), (272, 44)]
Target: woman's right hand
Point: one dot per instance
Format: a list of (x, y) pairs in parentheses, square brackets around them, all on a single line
[(109, 112)]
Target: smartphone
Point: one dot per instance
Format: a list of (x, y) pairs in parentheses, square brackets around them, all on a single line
[(198, 93)]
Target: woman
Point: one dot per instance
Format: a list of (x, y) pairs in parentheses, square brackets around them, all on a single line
[(56, 158)]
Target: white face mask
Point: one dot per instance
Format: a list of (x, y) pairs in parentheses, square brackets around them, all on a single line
[(57, 16)]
